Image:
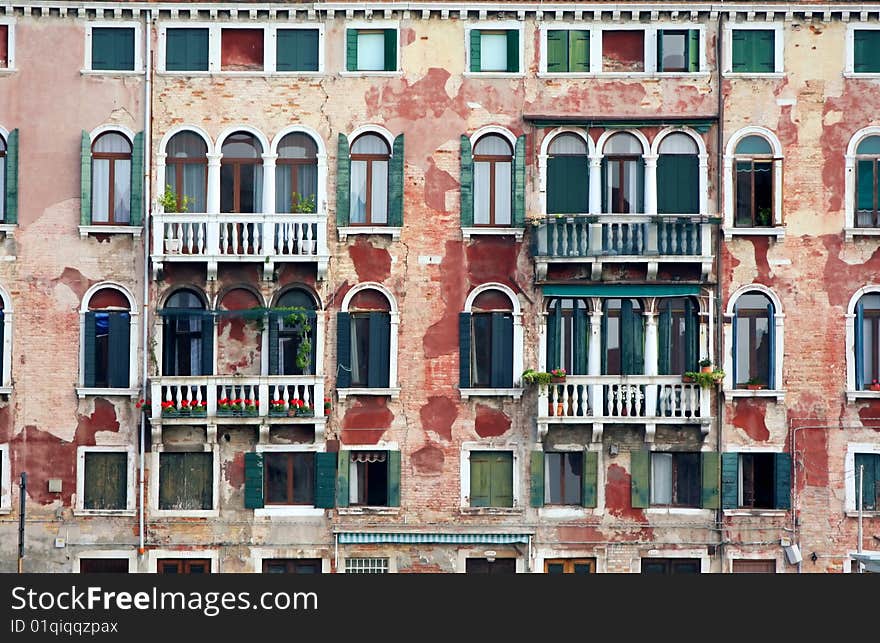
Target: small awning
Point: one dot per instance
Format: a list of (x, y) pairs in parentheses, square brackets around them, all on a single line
[(621, 290), (870, 559), (421, 538)]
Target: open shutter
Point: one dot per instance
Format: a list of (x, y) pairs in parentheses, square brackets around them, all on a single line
[(467, 182), (119, 349), (729, 480), (632, 341), (394, 478), (137, 180), (519, 183), (11, 213), (513, 50), (395, 183), (711, 471), (603, 328), (536, 494), (351, 50), (590, 479), (693, 50), (475, 49), (464, 350), (605, 206), (207, 345), (557, 51), (481, 475), (391, 50), (859, 348), (664, 335), (581, 341), (502, 350), (579, 51), (379, 350), (253, 480), (771, 323), (740, 58), (640, 473), (85, 159), (343, 350), (867, 494), (501, 479), (343, 180), (342, 471), (89, 351), (734, 349), (640, 186), (865, 185), (325, 480), (782, 493), (554, 329), (273, 321), (660, 50), (691, 335)]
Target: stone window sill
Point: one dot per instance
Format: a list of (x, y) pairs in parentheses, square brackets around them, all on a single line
[(467, 233), (850, 233), (515, 393), (776, 231), (367, 73), (491, 511), (86, 230), (755, 75), (82, 392), (288, 512), (372, 511), (678, 511), (394, 393), (104, 512), (760, 513), (739, 392), (852, 396), (119, 73), (8, 229), (345, 231)]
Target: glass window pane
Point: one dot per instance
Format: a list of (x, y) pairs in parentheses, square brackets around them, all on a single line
[(2, 185), (297, 146), (742, 351), (303, 478), (371, 51), (369, 144), (678, 144), (493, 51), (283, 187), (113, 143), (250, 188), (100, 190), (623, 143), (569, 145), (481, 347), (502, 193), (195, 186), (307, 181), (379, 196), (276, 477), (870, 145), (186, 145), (241, 145), (743, 214), (481, 193), (687, 479), (493, 145), (661, 478), (673, 51), (553, 478), (630, 187), (573, 469), (122, 192), (360, 344), (753, 145), (358, 193), (227, 188), (612, 186)]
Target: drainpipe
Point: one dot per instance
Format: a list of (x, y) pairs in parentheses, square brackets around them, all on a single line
[(719, 327)]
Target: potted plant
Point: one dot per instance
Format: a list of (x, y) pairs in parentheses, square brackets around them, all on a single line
[(277, 407), (328, 405), (169, 409), (557, 376), (539, 378), (874, 385), (293, 408), (198, 409), (706, 365), (763, 217), (706, 379), (755, 384), (250, 407), (304, 411), (169, 203), (688, 377), (227, 407)]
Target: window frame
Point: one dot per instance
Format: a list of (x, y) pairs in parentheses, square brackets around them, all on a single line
[(851, 182), (303, 510), (7, 345), (112, 158), (156, 555), (674, 482), (777, 229), (465, 478), (729, 354), (131, 390), (214, 511), (389, 566), (648, 59), (497, 25), (5, 480), (369, 159), (849, 52), (548, 504), (9, 22), (371, 25), (851, 497), (179, 163), (778, 49), (115, 554), (492, 160), (139, 68), (569, 564), (130, 492), (237, 163)]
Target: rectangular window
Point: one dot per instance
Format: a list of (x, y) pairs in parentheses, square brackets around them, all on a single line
[(670, 566), (370, 349), (485, 566), (754, 193), (491, 350), (563, 478), (752, 347), (296, 50), (366, 565), (290, 478), (623, 50), (368, 478), (183, 566), (570, 566), (753, 51), (241, 49), (186, 49), (491, 479), (292, 566), (494, 50), (112, 48), (103, 565), (758, 480), (866, 51), (371, 49), (4, 47), (675, 479), (678, 50), (754, 567), (869, 466), (105, 480), (107, 348), (568, 51), (186, 481)]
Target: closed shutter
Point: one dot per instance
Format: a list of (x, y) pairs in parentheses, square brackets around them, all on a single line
[(480, 479), (89, 350), (554, 330), (771, 335), (729, 480), (579, 51), (664, 335), (391, 50), (464, 350), (512, 50), (693, 50), (519, 183), (782, 492), (568, 185), (296, 50), (466, 181), (866, 51), (581, 341), (325, 480), (112, 48), (640, 473), (343, 350), (678, 183), (711, 471), (557, 51), (342, 473), (85, 160), (632, 341), (590, 479), (740, 56), (691, 335), (119, 349), (207, 325), (137, 180), (865, 194), (379, 350), (11, 196), (394, 478), (502, 350), (859, 347), (869, 480), (253, 480), (343, 180), (102, 49), (274, 319), (396, 183), (763, 51), (501, 479), (106, 479), (536, 494), (475, 49), (351, 51), (186, 50)]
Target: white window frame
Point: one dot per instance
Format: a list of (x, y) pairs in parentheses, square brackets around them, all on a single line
[(127, 554), (212, 160), (131, 390), (517, 233), (213, 186), (739, 510), (270, 51), (740, 555), (498, 25), (155, 555), (562, 512), (680, 511), (849, 64), (130, 492), (10, 46), (702, 160), (381, 445), (259, 554), (517, 390), (703, 68), (393, 389), (850, 476), (852, 360), (465, 478), (649, 58), (730, 230), (849, 192), (5, 480), (778, 48), (122, 130), (542, 58), (277, 511), (549, 553), (650, 187), (138, 49), (214, 512), (321, 196), (6, 367), (730, 391), (391, 560), (544, 155), (369, 25)]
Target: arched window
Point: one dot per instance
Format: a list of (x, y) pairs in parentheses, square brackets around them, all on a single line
[(239, 345), (568, 335), (678, 334), (186, 169), (107, 345), (568, 175), (754, 338), (867, 182), (678, 175), (370, 157), (493, 172), (623, 337), (2, 179), (754, 183), (187, 336), (624, 175), (867, 341), (111, 179), (364, 341), (296, 174), (241, 174), (489, 326), (293, 334)]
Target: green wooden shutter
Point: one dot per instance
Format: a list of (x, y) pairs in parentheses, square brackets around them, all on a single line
[(711, 470), (632, 341), (678, 183), (475, 49), (396, 183), (394, 478), (464, 350), (342, 473), (519, 183), (253, 480), (554, 331), (480, 478), (664, 335), (467, 183), (568, 185), (274, 319), (89, 350), (740, 57), (859, 347), (207, 345), (137, 180), (113, 48), (501, 479), (119, 349), (869, 480), (343, 180), (502, 350), (581, 341), (729, 480), (691, 335), (660, 50), (590, 479), (351, 50), (379, 350), (579, 51), (536, 495), (606, 208), (343, 350), (782, 492), (866, 51), (513, 50), (296, 50), (557, 50), (102, 49), (640, 473), (693, 50), (763, 51), (85, 159), (11, 214), (325, 480), (865, 185), (391, 50), (186, 49), (640, 186), (603, 333)]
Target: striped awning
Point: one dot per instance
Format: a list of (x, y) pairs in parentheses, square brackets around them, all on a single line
[(421, 538), (621, 290), (870, 559)]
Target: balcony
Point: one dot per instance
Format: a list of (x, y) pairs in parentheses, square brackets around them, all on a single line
[(604, 238), (624, 399), (266, 239)]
